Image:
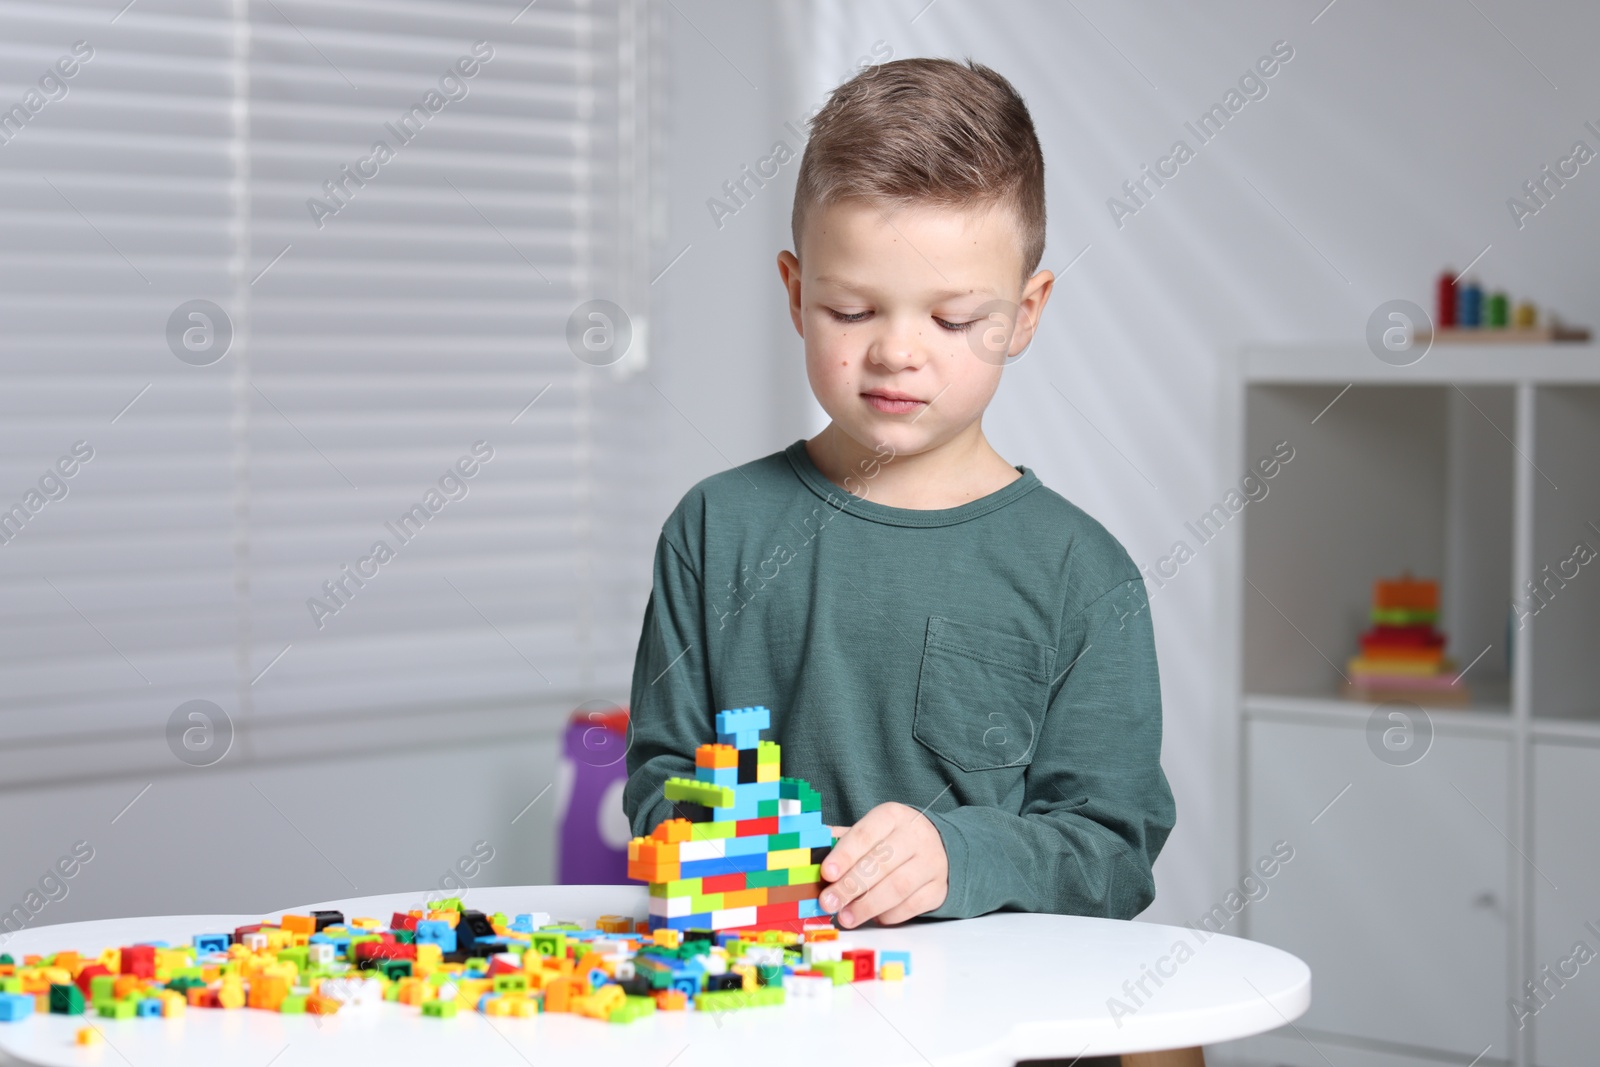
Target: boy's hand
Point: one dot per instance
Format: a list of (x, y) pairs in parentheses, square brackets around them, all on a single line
[(890, 866)]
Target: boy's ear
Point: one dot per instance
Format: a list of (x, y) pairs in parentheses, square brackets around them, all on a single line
[(1031, 307), (789, 271)]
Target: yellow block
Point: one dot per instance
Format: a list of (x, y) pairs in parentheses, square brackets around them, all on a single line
[(783, 859), (892, 972)]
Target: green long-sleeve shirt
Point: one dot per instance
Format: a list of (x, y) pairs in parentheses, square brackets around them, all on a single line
[(992, 664)]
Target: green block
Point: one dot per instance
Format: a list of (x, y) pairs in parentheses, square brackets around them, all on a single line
[(184, 974), (449, 904), (499, 919), (812, 872), (401, 937), (682, 887), (632, 1008), (184, 982), (706, 902), (392, 991), (11, 985), (296, 955), (712, 796), (768, 752), (735, 999), (782, 841), (117, 1009), (767, 879), (65, 999), (552, 943), (810, 799), (440, 978), (789, 788), (504, 983), (394, 970), (477, 963), (293, 1004), (766, 809), (769, 974), (841, 971), (712, 831), (356, 939), (439, 1009), (102, 987), (561, 926)]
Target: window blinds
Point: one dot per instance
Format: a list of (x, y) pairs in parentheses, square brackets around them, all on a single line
[(287, 284)]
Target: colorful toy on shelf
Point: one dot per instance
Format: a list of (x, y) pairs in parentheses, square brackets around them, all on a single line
[(747, 849), (1402, 653), (1464, 312), (440, 962)]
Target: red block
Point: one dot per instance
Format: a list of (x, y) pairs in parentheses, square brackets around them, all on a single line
[(89, 972), (385, 950), (767, 913), (402, 921), (723, 883), (240, 931), (499, 966), (139, 960), (862, 958), (755, 827)]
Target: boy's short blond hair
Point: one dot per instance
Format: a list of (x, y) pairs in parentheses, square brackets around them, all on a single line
[(926, 131)]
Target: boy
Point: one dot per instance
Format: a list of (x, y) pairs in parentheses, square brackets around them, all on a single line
[(958, 659)]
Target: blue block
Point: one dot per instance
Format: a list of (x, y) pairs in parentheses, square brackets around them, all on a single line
[(148, 1008), (744, 720), (212, 942), (717, 775), (699, 920), (895, 957), (810, 909), (746, 846), (436, 932), (756, 791), (794, 824), (750, 861), (816, 837), (14, 1007)]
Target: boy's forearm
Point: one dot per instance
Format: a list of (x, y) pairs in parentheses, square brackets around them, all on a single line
[(1060, 862)]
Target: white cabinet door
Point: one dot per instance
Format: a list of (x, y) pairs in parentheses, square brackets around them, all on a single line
[(1396, 893), (1566, 907)]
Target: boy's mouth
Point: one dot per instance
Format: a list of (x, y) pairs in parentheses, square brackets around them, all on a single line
[(893, 402)]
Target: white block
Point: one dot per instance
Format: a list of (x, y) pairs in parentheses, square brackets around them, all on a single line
[(820, 952), (689, 851), (806, 986), (788, 807), (721, 920), (671, 907)]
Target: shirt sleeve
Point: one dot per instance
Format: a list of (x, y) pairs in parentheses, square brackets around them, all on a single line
[(1097, 807), (669, 713)]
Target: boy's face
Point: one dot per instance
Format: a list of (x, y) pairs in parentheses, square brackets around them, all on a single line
[(897, 303)]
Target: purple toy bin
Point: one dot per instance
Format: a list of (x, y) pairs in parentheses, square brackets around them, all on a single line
[(592, 842)]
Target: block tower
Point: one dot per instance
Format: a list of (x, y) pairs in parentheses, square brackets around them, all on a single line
[(748, 846)]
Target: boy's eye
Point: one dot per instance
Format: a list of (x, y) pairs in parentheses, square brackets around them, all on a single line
[(953, 327)]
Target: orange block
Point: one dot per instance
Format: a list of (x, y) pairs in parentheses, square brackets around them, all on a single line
[(299, 924), (671, 1000), (1406, 593), (653, 872), (320, 1005), (558, 994), (716, 756), (267, 992), (745, 898), (671, 831)]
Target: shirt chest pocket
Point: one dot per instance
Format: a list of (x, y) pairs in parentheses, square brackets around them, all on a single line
[(981, 695)]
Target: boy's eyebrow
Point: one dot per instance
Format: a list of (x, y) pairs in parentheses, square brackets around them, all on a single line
[(842, 283)]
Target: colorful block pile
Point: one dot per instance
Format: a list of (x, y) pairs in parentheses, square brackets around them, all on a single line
[(747, 850), (1402, 653), (440, 962)]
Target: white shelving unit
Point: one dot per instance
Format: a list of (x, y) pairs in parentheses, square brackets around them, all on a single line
[(1424, 892)]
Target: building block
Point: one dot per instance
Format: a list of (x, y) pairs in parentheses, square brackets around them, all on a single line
[(895, 957), (15, 1007)]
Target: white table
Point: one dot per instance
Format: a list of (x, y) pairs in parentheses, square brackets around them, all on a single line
[(985, 992)]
